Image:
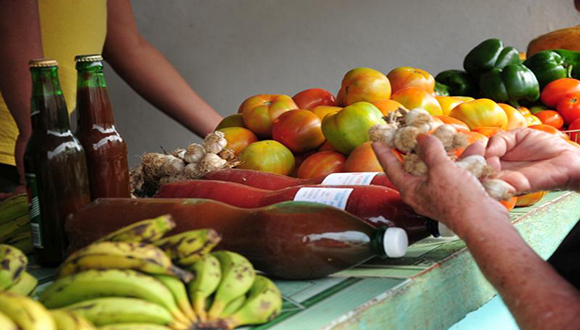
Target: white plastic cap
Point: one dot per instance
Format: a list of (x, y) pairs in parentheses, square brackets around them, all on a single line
[(395, 242), (444, 231)]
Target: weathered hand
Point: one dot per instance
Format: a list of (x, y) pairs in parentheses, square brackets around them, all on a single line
[(447, 193), (532, 160)]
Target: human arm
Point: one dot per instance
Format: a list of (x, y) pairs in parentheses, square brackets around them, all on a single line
[(535, 294), (149, 73), (21, 41)]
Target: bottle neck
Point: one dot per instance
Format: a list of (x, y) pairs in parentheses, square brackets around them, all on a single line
[(48, 108), (377, 243), (93, 102)]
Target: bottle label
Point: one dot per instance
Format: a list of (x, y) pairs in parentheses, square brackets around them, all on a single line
[(349, 179), (34, 210), (337, 197)]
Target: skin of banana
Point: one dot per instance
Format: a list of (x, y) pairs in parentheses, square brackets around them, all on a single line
[(208, 275), (147, 231), (188, 247), (14, 262), (25, 312), (71, 321)]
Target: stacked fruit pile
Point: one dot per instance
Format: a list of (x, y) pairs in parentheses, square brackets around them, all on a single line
[(135, 277), (314, 133), (15, 223)]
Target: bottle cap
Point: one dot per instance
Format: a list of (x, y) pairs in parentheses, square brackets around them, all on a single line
[(444, 231), (42, 63), (395, 242), (88, 58)]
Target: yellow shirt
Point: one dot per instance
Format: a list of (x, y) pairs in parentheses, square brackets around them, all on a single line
[(69, 28)]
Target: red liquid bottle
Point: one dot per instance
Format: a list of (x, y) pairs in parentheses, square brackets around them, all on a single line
[(291, 240), (105, 148)]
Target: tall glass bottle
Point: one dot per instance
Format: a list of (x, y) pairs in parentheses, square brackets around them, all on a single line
[(105, 148), (55, 165)]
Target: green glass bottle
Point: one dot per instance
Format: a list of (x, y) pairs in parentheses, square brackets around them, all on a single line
[(105, 148), (55, 165)]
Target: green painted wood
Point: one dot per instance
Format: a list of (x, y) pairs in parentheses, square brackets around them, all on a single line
[(453, 286)]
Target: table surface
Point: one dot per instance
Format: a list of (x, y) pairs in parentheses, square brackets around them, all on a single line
[(434, 286)]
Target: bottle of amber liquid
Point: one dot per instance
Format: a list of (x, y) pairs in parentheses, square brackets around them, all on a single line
[(105, 148), (55, 166)]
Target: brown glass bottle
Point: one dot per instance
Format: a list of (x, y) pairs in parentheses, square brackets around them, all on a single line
[(55, 165), (105, 148)]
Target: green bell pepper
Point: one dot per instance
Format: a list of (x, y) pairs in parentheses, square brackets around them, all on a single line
[(511, 84), (548, 66), (348, 128), (458, 83), (441, 89), (490, 54)]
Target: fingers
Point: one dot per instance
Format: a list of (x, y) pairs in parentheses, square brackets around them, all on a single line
[(431, 151), (516, 179), (477, 148), (391, 165)]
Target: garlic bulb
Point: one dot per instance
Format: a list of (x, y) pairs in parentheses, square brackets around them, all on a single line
[(406, 138), (445, 134), (173, 165), (418, 117), (193, 171), (414, 165), (215, 142), (383, 133), (498, 189), (212, 162), (194, 153)]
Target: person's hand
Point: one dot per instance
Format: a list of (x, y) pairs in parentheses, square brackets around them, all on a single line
[(532, 160), (19, 150), (447, 193)]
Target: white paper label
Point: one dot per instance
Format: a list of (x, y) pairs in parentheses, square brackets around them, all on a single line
[(336, 197), (349, 179)]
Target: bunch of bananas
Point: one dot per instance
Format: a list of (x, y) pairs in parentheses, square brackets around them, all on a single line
[(136, 279), (15, 223), (13, 275)]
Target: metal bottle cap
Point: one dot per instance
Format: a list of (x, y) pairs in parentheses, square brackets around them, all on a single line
[(42, 63), (88, 58)]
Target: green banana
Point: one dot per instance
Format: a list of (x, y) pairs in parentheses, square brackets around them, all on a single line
[(71, 321), (122, 255), (146, 231), (179, 293), (13, 207), (25, 284), (97, 283), (103, 311), (134, 326), (22, 241), (237, 277), (13, 263), (14, 227), (208, 275), (27, 313), (233, 306), (263, 304), (6, 323), (187, 247)]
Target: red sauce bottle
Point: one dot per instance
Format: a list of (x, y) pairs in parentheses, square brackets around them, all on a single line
[(105, 148)]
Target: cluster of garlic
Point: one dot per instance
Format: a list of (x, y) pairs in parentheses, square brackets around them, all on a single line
[(401, 133), (193, 162)]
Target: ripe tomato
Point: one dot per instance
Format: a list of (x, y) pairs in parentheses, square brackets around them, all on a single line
[(363, 159), (447, 103), (260, 111), (472, 137), (488, 131), (238, 138), (414, 97), (458, 124), (530, 199), (311, 98), (405, 76), (363, 84), (569, 107), (515, 118), (524, 111), (532, 120), (551, 117), (299, 130), (267, 156), (557, 89), (326, 146), (235, 120), (387, 106), (480, 113), (550, 129), (320, 164), (322, 110), (574, 126)]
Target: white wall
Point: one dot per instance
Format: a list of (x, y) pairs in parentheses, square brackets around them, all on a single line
[(231, 49)]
